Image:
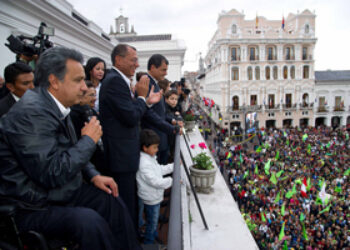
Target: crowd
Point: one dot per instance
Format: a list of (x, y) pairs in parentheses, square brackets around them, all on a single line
[(291, 185), (70, 148)]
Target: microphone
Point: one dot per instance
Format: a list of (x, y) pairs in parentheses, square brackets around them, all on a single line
[(89, 115)]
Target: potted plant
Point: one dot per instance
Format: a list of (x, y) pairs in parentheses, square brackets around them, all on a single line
[(202, 171), (189, 120)]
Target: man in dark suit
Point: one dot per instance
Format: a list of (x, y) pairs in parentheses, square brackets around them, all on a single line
[(19, 78), (154, 118), (120, 114), (43, 163)]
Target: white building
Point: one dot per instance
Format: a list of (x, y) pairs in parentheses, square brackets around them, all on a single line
[(147, 45), (261, 66)]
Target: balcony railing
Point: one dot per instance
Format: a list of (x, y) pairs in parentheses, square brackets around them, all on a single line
[(338, 108), (322, 109), (271, 107), (307, 105), (247, 108)]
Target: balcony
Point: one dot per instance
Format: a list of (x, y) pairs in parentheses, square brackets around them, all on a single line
[(322, 109), (243, 108), (339, 108), (272, 107), (289, 106), (306, 106), (235, 59), (253, 58)]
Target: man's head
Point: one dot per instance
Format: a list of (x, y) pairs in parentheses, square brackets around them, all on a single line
[(89, 97), (19, 77), (149, 142), (124, 58), (60, 70), (158, 66)]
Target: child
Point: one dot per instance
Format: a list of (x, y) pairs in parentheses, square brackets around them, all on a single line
[(150, 183), (172, 112)]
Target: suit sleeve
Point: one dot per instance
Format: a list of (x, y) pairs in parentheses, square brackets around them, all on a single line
[(127, 110), (153, 118)]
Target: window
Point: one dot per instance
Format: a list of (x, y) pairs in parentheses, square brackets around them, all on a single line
[(289, 53), (235, 103), (271, 101), (285, 72), (253, 100), (250, 73), (269, 53), (252, 54), (292, 72), (122, 28), (307, 29), (304, 53), (275, 72), (234, 29), (257, 73), (235, 74), (235, 54), (305, 100), (337, 102), (288, 100), (306, 72), (267, 73)]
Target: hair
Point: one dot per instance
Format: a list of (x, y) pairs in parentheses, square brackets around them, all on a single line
[(89, 84), (139, 75), (91, 63), (120, 50), (163, 84), (170, 92), (156, 60), (13, 70), (148, 137), (53, 61)]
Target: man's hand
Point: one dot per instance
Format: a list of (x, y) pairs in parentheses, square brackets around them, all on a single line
[(92, 129), (154, 97), (180, 123), (106, 184), (142, 86)]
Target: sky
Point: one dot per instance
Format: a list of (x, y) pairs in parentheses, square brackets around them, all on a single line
[(194, 21)]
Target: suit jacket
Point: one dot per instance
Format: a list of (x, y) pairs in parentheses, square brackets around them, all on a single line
[(155, 119), (41, 160), (120, 114), (6, 103)]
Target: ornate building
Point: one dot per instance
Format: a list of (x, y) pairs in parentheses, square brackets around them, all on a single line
[(147, 45), (263, 66)]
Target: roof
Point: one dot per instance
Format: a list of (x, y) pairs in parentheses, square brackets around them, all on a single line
[(332, 75), (144, 38)]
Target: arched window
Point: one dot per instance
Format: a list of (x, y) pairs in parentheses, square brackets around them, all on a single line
[(305, 99), (267, 73), (235, 74), (234, 29), (235, 102), (250, 73), (285, 72), (122, 28), (257, 73), (306, 70), (292, 72), (307, 29), (275, 72)]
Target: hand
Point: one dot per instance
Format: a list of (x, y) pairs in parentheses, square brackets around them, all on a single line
[(154, 97), (173, 122), (92, 129), (106, 184), (142, 86), (180, 123)]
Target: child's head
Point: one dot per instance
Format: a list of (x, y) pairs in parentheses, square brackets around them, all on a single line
[(164, 85), (149, 142), (171, 98)]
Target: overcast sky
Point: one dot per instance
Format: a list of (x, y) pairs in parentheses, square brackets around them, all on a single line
[(194, 21)]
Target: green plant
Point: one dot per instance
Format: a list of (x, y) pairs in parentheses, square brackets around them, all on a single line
[(189, 117), (202, 161)]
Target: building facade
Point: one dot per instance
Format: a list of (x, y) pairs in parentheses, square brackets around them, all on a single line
[(263, 66), (147, 45)]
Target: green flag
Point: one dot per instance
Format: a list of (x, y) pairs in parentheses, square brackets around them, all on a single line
[(229, 155), (277, 199), (281, 235), (285, 245), (267, 167), (347, 136), (240, 157), (328, 145), (283, 208), (285, 134), (305, 136), (273, 178), (246, 173), (278, 175), (277, 155), (263, 219), (298, 181), (302, 217), (258, 150), (326, 209), (305, 233), (287, 142), (347, 172), (256, 170), (338, 189)]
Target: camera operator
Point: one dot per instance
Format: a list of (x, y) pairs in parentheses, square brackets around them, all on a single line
[(184, 96)]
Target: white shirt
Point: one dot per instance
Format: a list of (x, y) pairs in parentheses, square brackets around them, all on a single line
[(97, 105), (15, 97), (65, 111)]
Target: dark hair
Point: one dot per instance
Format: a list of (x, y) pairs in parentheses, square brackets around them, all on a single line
[(139, 75), (91, 63), (89, 84), (120, 50), (53, 61), (163, 84), (14, 69), (148, 137), (170, 92), (156, 60)]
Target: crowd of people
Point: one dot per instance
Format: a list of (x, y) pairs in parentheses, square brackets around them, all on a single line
[(291, 185), (70, 145)]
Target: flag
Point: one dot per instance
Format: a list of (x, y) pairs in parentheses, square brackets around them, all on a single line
[(305, 136), (277, 155), (256, 21), (263, 219), (246, 173), (304, 188), (240, 157), (267, 167), (325, 210), (278, 175), (347, 172), (273, 178), (328, 145), (308, 187), (285, 245), (304, 232), (256, 171), (258, 150), (229, 155), (281, 235), (323, 195), (302, 217), (283, 209), (277, 199), (283, 22), (338, 188), (287, 142)]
